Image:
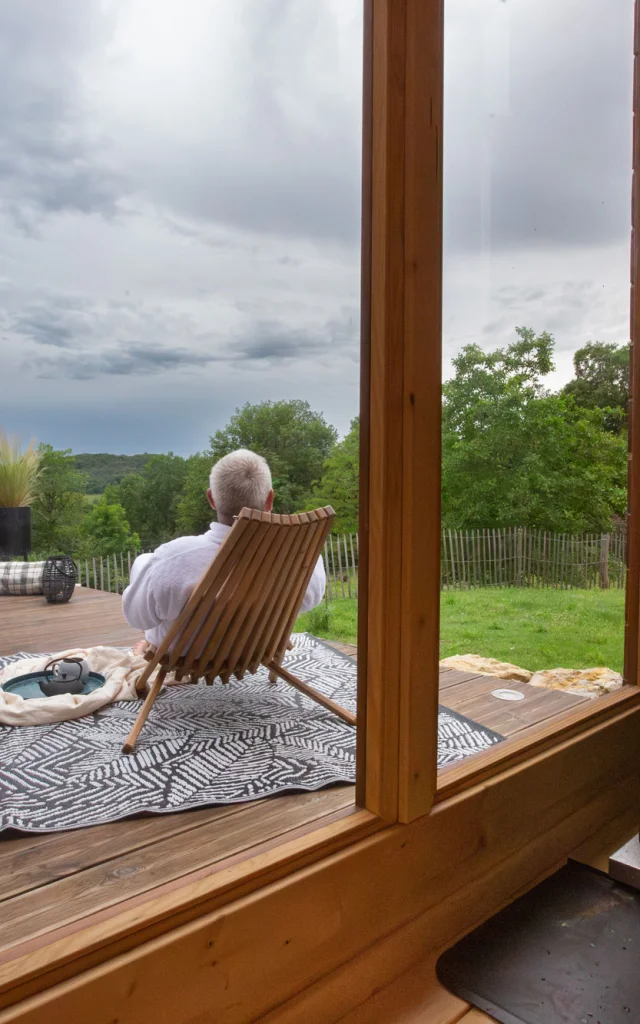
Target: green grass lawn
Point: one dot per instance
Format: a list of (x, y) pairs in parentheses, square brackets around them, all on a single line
[(535, 629)]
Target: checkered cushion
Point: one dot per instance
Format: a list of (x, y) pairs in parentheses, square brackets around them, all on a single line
[(21, 577)]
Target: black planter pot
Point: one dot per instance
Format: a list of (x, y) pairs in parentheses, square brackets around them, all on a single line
[(15, 532)]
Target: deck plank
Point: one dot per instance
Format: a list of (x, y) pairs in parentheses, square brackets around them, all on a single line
[(89, 619), (56, 880), (508, 718), (31, 863), (94, 889)]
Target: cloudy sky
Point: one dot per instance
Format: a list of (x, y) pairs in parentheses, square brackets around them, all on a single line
[(180, 201)]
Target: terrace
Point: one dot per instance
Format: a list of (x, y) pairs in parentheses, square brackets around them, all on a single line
[(55, 885), (335, 905)]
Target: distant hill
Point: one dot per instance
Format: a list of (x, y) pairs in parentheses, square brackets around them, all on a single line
[(104, 469)]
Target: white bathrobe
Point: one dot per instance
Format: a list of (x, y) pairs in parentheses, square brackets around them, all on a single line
[(162, 582)]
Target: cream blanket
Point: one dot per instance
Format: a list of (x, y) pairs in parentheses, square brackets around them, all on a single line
[(120, 669)]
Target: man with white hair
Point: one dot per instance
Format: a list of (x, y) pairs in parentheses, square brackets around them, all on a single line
[(161, 583)]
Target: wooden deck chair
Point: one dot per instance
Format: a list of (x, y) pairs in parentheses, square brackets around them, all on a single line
[(241, 613)]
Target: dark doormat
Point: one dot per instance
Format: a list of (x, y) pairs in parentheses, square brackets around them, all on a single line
[(568, 952)]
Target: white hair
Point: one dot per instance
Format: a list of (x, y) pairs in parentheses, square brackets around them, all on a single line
[(240, 480)]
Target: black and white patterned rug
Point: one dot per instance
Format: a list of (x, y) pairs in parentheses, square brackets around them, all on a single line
[(201, 746)]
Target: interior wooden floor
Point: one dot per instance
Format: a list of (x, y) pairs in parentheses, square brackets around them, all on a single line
[(49, 882)]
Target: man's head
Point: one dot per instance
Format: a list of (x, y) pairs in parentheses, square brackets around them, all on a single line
[(240, 480)]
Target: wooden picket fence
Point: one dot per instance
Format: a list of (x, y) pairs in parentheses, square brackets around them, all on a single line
[(109, 572), (515, 557), (341, 562), (520, 557)]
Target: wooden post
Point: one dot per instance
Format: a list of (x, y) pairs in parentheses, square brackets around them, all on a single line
[(453, 561), (340, 569), (403, 406), (632, 600), (519, 560), (564, 540), (355, 568), (333, 567), (604, 561), (346, 562)]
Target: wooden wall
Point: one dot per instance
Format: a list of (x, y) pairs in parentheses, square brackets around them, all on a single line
[(314, 946)]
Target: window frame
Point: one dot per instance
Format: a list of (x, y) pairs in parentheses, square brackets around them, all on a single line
[(401, 430)]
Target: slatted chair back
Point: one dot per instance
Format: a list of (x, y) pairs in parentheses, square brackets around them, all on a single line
[(242, 612)]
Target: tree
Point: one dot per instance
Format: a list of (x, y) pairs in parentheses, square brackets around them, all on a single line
[(294, 440), (106, 530), (339, 486), (60, 506), (549, 465), (515, 455), (485, 380), (193, 512), (130, 494), (151, 499), (164, 477), (602, 382)]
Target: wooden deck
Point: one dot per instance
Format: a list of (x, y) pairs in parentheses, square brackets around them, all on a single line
[(51, 884)]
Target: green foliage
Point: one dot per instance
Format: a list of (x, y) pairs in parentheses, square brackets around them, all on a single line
[(602, 382), (151, 499), (164, 477), (103, 469), (293, 439), (535, 629), (60, 506), (106, 531), (194, 513), (339, 486), (484, 381), (318, 620), (515, 455), (339, 623), (19, 472), (129, 493)]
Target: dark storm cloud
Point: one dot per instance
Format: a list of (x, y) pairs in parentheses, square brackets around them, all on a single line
[(126, 360), (96, 344), (48, 162), (538, 123), (278, 342), (53, 320)]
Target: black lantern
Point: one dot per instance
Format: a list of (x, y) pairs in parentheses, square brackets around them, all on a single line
[(58, 579)]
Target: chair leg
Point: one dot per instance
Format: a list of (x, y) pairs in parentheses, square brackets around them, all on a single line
[(326, 702), (273, 676), (143, 714)]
